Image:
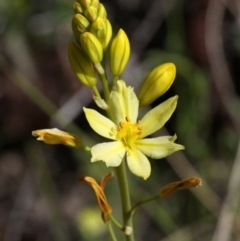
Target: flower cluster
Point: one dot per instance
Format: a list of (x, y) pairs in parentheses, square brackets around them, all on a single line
[(93, 32), (129, 136)]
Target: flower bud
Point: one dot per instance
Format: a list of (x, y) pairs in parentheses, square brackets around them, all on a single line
[(80, 22), (119, 53), (56, 136), (102, 11), (156, 83), (95, 3), (81, 66), (91, 13), (85, 3), (102, 29), (77, 7), (76, 32), (92, 47)]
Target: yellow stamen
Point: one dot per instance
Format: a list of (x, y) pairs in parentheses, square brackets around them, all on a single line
[(128, 132)]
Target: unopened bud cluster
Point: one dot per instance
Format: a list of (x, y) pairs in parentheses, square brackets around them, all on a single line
[(92, 34)]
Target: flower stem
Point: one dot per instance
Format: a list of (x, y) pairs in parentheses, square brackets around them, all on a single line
[(111, 232), (143, 202), (115, 222), (95, 91), (115, 79), (105, 86), (125, 198)]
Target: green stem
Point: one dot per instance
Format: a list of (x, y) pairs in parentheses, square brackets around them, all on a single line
[(96, 92), (115, 79), (111, 232), (105, 86), (115, 222), (86, 148), (143, 202), (125, 198)]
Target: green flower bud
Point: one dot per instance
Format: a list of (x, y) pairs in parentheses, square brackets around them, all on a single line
[(102, 11), (92, 47), (91, 13), (95, 3), (102, 29), (156, 83), (77, 7), (80, 22), (75, 30), (85, 3), (119, 53), (81, 66)]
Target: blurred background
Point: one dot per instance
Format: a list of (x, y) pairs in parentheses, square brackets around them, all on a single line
[(40, 199)]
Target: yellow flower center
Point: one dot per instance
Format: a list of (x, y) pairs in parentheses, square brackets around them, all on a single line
[(128, 132)]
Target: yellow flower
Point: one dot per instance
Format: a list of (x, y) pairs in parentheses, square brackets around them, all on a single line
[(128, 134), (56, 136)]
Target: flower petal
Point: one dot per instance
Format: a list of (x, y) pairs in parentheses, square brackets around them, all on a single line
[(157, 117), (159, 147), (111, 153), (138, 163), (123, 103), (100, 124)]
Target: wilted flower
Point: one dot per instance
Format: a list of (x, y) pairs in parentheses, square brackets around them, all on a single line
[(56, 136), (186, 183), (99, 191)]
